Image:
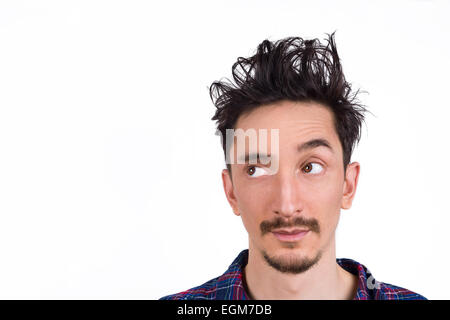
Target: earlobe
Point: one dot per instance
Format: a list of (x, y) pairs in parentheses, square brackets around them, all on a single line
[(229, 192), (344, 201), (345, 205), (350, 184)]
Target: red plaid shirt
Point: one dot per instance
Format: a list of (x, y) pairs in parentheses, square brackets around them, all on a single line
[(230, 286)]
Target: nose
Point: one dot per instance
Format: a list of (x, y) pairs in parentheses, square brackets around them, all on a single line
[(287, 193)]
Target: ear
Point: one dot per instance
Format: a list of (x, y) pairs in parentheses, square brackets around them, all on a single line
[(350, 184), (229, 191)]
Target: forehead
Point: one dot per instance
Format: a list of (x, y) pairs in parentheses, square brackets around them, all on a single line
[(295, 120)]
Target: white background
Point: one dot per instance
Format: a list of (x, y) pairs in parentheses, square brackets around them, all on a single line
[(110, 181)]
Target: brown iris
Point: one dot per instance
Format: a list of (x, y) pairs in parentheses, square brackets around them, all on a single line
[(308, 165)]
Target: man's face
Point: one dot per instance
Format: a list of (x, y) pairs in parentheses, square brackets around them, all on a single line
[(306, 192)]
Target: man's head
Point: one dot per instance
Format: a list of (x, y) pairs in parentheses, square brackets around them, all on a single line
[(297, 87)]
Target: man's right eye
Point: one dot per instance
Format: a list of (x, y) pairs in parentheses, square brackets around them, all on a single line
[(254, 171)]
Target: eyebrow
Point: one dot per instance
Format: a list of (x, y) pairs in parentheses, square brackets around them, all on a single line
[(247, 157), (308, 145), (314, 143)]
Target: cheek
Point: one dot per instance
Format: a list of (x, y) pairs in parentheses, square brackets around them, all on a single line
[(327, 192), (251, 208), (324, 202), (330, 197), (249, 225), (250, 198)]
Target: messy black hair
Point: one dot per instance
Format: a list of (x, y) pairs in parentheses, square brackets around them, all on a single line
[(291, 69)]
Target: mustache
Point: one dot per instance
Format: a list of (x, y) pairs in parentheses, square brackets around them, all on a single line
[(268, 226)]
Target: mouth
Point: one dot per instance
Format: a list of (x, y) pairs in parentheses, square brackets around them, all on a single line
[(290, 234)]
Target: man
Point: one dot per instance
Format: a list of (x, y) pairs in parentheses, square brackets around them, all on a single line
[(289, 198)]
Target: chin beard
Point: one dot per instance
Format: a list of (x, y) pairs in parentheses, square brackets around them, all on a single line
[(291, 264)]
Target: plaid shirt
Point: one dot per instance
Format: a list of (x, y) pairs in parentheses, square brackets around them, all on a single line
[(229, 286)]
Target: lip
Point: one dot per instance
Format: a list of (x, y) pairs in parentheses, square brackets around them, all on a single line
[(290, 235)]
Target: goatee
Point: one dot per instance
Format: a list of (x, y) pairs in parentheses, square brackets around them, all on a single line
[(293, 264)]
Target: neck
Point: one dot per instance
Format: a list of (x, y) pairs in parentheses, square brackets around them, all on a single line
[(325, 280)]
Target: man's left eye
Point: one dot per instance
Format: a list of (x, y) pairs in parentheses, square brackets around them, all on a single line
[(313, 168)]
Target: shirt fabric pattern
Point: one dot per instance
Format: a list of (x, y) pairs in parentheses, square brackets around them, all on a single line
[(230, 285)]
